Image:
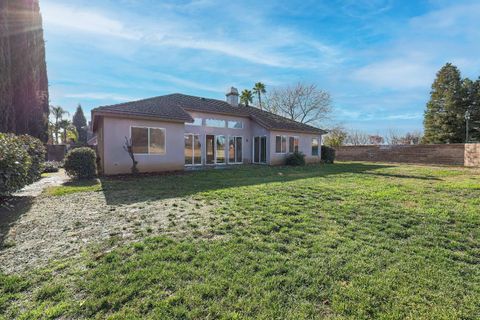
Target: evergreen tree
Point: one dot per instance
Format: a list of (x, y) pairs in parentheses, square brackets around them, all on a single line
[(28, 68), (7, 115), (444, 117), (80, 123), (474, 109)]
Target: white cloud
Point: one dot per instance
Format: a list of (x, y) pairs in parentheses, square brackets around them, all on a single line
[(100, 96), (396, 73), (272, 46), (61, 17)]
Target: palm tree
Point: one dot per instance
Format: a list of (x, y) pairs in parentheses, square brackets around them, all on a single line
[(246, 97), (259, 89), (58, 113), (69, 131)]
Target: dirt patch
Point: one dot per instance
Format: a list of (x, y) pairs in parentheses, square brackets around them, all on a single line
[(62, 226)]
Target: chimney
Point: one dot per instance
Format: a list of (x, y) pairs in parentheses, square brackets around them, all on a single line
[(232, 97)]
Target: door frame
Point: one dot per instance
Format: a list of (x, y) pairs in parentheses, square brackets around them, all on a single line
[(259, 149), (215, 150), (228, 155), (193, 150)]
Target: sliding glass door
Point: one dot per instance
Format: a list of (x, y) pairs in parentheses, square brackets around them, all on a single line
[(235, 145), (193, 150), (220, 146), (260, 150), (215, 147)]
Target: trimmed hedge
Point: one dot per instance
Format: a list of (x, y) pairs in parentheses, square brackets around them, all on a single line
[(328, 154), (295, 159), (51, 166), (80, 163), (19, 162), (36, 150)]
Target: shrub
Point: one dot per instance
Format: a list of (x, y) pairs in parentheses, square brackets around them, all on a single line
[(295, 159), (80, 163), (51, 166), (15, 163), (328, 154), (37, 151)]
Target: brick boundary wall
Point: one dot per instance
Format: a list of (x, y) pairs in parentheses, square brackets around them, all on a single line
[(444, 154)]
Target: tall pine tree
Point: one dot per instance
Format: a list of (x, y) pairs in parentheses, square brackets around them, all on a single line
[(28, 71), (473, 100), (80, 123), (7, 115), (444, 117)]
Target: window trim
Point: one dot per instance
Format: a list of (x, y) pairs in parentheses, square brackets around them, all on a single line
[(195, 125), (225, 162), (281, 143), (228, 126), (209, 126), (193, 149), (260, 146), (318, 147), (148, 139), (297, 138), (228, 158)]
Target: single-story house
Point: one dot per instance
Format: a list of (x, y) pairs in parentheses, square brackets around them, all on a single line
[(176, 131)]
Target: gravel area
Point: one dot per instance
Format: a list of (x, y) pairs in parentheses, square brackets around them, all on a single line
[(55, 227)]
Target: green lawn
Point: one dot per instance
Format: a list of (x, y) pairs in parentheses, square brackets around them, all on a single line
[(343, 241)]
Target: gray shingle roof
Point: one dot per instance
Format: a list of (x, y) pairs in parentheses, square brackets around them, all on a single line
[(173, 107)]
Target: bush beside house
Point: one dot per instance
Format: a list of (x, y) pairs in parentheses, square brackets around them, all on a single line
[(295, 159), (328, 154), (80, 163), (21, 162)]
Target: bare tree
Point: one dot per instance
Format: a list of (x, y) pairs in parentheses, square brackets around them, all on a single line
[(304, 103), (129, 149), (376, 139), (336, 137), (413, 137), (357, 138), (393, 137)]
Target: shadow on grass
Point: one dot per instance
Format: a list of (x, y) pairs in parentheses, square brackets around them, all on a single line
[(401, 176), (17, 206), (130, 189)]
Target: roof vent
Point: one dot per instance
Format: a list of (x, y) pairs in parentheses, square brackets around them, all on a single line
[(232, 97)]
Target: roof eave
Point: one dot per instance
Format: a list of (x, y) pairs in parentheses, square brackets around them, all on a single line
[(144, 116)]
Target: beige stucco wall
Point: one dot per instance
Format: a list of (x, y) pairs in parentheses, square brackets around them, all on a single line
[(304, 146), (116, 159)]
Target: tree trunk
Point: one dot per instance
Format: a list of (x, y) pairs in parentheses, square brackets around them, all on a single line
[(7, 112), (29, 75)]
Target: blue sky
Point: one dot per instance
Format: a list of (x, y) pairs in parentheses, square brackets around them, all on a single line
[(377, 58)]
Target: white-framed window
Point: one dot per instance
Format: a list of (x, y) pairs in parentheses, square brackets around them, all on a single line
[(193, 149), (234, 124), (235, 149), (293, 143), (196, 122), (315, 145), (216, 123), (220, 149), (280, 144), (148, 140)]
